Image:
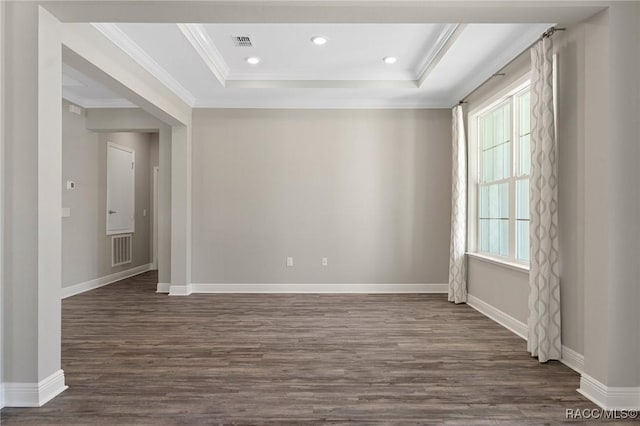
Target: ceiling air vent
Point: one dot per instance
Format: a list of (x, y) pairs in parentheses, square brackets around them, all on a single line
[(242, 41)]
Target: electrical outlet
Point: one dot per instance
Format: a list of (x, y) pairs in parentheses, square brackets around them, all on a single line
[(289, 261), (325, 261)]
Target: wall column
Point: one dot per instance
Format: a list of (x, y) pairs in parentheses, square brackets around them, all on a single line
[(180, 211), (612, 209), (32, 275)]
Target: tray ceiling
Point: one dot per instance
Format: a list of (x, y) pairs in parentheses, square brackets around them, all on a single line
[(436, 64)]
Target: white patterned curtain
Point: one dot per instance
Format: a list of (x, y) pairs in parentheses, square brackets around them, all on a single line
[(458, 244), (544, 278)]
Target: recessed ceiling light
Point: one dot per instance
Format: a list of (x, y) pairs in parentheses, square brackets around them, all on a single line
[(389, 59), (253, 60), (319, 40)]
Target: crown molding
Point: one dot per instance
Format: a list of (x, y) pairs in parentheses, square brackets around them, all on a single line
[(317, 76), (309, 103), (74, 99), (96, 103), (447, 38), (197, 35), (322, 84), (120, 39)]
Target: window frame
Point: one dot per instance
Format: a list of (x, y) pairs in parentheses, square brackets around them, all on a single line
[(508, 93)]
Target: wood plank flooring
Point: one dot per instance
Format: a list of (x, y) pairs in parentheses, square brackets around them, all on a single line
[(132, 356)]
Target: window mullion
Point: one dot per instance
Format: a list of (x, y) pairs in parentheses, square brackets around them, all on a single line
[(480, 165), (514, 172), (512, 219)]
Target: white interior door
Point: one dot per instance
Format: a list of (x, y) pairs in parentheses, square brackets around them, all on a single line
[(120, 189)]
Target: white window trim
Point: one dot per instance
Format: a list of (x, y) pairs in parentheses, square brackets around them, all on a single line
[(520, 267), (474, 166)]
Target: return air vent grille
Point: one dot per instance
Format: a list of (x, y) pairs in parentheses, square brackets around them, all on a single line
[(242, 41), (121, 249)]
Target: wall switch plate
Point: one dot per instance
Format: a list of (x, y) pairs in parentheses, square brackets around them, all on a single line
[(71, 184), (289, 261), (325, 261), (144, 212), (66, 212)]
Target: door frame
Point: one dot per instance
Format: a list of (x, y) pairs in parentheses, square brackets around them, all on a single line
[(154, 218), (133, 192)]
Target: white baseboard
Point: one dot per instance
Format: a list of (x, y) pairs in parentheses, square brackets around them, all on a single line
[(505, 320), (34, 394), (609, 398), (163, 288), (570, 358), (315, 288), (180, 290), (99, 282)]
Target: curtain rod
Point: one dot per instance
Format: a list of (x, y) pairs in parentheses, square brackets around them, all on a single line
[(545, 34)]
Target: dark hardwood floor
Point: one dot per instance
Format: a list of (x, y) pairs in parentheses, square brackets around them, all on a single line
[(132, 356)]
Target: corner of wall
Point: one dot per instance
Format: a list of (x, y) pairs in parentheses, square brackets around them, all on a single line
[(34, 394), (2, 26), (609, 398), (180, 290), (163, 288)]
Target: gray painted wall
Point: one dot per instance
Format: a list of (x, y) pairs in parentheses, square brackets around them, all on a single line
[(503, 288), (581, 73), (20, 169), (135, 119), (570, 47), (369, 189), (86, 249)]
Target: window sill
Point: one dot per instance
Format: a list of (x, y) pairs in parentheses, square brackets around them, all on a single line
[(505, 264)]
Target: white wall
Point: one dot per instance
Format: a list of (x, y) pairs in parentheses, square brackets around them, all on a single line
[(369, 189), (86, 248)]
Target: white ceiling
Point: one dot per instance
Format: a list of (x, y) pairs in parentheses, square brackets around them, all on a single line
[(353, 52), (87, 92), (437, 64)]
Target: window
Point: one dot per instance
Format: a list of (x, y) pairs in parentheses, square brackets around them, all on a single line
[(502, 145)]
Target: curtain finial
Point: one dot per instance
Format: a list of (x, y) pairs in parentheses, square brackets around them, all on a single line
[(550, 32)]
